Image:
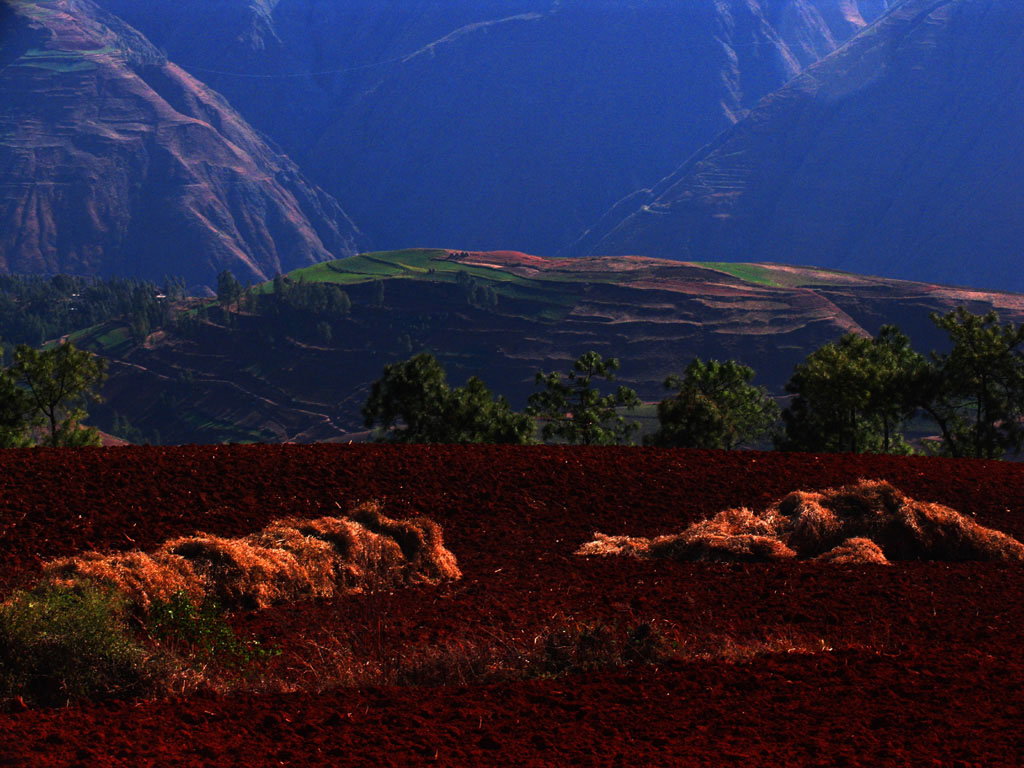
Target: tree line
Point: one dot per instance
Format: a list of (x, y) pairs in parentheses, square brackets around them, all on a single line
[(35, 308), (857, 394)]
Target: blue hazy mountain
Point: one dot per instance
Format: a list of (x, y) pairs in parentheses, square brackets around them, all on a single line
[(511, 124), (898, 155)]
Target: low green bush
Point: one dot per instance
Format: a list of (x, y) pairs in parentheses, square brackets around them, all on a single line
[(201, 631), (58, 644)]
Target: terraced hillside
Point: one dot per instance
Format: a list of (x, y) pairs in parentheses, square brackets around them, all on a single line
[(275, 368)]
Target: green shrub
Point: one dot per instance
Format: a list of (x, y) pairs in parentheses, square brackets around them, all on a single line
[(583, 647), (580, 647), (201, 632), (58, 644)]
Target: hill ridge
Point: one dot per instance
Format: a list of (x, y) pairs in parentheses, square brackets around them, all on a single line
[(286, 369)]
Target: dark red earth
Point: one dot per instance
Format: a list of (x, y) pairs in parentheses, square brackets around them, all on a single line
[(914, 664)]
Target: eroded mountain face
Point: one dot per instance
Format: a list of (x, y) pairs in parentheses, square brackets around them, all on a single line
[(115, 161), (899, 155), (492, 125)]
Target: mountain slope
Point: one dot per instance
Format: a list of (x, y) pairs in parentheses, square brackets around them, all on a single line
[(297, 365), (507, 124), (115, 161), (898, 155)]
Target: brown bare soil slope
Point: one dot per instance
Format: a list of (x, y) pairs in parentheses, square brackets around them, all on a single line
[(925, 659)]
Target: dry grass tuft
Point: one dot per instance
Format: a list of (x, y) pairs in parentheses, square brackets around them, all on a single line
[(720, 547), (855, 551), (813, 527), (616, 545), (563, 647), (142, 576), (867, 522), (291, 559), (419, 539)]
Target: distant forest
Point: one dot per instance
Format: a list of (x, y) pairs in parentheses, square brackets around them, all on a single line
[(34, 309)]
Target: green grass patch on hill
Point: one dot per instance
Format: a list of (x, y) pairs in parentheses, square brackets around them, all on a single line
[(110, 338), (749, 273), (363, 268), (57, 66), (218, 431), (759, 274), (554, 293), (421, 264), (431, 265), (61, 61), (114, 338)]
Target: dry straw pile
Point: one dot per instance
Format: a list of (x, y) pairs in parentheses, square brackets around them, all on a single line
[(291, 559), (868, 522)]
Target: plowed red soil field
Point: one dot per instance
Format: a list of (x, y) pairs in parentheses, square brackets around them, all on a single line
[(795, 663)]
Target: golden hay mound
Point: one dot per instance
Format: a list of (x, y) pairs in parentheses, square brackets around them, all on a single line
[(867, 522), (733, 535), (291, 559)]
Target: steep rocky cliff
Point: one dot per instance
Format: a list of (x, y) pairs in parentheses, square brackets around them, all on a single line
[(115, 161)]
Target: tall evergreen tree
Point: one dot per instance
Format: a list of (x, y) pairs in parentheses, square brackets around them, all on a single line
[(714, 406), (229, 290), (975, 392), (573, 408), (853, 395)]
